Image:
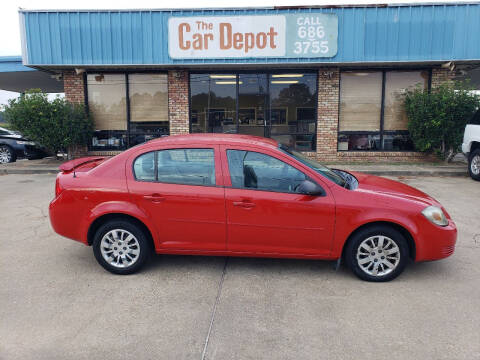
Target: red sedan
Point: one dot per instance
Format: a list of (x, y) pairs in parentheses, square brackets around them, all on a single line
[(236, 195)]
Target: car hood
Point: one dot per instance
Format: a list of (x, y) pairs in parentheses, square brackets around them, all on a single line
[(380, 185)]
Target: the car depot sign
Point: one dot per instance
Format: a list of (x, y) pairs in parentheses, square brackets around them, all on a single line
[(308, 35)]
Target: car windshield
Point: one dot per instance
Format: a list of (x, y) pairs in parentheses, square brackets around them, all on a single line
[(314, 165)]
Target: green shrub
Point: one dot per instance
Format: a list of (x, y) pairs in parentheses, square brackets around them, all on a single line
[(437, 119), (57, 125)]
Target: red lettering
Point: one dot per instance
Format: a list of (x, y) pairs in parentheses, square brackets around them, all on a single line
[(272, 33), (183, 45), (261, 40), (225, 36)]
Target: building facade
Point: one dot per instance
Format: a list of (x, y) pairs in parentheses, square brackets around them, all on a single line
[(326, 81)]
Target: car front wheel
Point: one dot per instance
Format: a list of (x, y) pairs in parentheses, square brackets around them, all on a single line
[(378, 253), (6, 154), (121, 247), (474, 165)]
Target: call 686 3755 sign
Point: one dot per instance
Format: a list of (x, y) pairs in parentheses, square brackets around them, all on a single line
[(302, 35)]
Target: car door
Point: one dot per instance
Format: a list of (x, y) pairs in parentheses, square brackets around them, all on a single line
[(264, 214), (181, 190)]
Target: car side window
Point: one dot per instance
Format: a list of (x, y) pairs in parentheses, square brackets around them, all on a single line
[(177, 166), (475, 120), (144, 167), (252, 170), (186, 166)]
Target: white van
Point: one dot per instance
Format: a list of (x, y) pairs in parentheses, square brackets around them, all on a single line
[(471, 146)]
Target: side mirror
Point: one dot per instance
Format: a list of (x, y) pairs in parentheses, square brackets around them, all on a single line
[(308, 187)]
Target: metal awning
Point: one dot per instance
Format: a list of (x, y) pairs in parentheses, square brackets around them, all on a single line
[(16, 77)]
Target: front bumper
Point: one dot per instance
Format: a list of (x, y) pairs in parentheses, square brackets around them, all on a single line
[(34, 152), (436, 242)]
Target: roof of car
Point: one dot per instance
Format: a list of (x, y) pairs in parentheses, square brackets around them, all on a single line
[(217, 139)]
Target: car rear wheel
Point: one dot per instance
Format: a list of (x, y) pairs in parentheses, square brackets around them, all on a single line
[(378, 253), (121, 247), (6, 154), (474, 165)]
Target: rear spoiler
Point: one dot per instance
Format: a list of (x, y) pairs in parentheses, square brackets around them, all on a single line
[(68, 166)]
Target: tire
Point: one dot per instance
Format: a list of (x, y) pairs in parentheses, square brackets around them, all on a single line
[(389, 260), (126, 256), (474, 165), (7, 155)]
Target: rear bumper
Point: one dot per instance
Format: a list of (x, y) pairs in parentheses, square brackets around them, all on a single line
[(465, 148), (437, 242), (64, 218)]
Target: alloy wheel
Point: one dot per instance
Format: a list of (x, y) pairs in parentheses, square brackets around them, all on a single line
[(475, 165), (120, 248), (378, 255), (5, 155)]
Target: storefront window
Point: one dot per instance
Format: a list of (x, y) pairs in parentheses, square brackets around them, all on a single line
[(213, 103), (107, 103), (396, 84), (358, 141), (281, 105), (252, 103), (362, 123), (360, 101), (293, 112), (148, 106), (107, 106)]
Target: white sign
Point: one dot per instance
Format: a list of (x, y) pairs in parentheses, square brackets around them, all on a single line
[(226, 37)]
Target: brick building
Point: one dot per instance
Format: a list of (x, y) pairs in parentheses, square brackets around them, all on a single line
[(327, 81)]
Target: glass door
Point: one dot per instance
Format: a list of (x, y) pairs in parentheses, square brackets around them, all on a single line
[(252, 104)]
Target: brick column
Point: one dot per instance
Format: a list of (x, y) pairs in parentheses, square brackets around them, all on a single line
[(327, 121), (178, 111), (74, 87), (441, 76), (75, 93)]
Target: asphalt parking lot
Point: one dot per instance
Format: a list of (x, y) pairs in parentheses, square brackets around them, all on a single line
[(57, 303)]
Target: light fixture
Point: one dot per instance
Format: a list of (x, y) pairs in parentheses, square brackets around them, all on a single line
[(286, 75), (223, 76), (284, 82), (228, 82)]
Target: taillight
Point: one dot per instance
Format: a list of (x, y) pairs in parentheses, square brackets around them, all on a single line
[(58, 188)]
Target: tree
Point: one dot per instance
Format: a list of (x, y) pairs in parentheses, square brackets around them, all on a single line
[(58, 125), (437, 118)]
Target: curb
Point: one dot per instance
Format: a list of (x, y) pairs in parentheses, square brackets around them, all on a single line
[(27, 171), (451, 173), (454, 173)]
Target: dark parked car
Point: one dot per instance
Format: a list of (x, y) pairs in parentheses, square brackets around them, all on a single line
[(13, 146)]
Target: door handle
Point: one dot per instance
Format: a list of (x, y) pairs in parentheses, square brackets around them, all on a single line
[(244, 204), (156, 198)]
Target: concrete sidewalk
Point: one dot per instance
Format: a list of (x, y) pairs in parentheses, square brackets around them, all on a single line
[(457, 168)]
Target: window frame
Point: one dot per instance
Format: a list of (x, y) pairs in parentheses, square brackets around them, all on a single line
[(155, 165), (268, 106), (127, 101), (382, 131), (229, 174)]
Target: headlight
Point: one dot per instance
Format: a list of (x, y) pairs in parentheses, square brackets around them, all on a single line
[(25, 142), (435, 215)]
